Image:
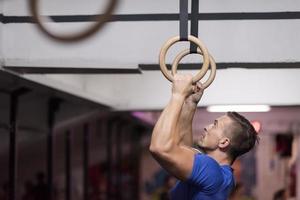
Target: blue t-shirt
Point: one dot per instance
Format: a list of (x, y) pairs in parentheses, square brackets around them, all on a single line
[(208, 181)]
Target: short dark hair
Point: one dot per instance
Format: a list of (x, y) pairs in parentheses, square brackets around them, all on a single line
[(243, 135)]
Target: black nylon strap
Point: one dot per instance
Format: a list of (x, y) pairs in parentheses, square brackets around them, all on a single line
[(184, 19), (194, 24)]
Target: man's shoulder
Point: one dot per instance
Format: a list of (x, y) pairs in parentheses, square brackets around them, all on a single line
[(201, 157)]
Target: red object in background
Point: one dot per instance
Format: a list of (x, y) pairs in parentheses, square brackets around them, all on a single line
[(257, 125)]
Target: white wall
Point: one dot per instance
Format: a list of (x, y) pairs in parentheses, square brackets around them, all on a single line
[(233, 86)]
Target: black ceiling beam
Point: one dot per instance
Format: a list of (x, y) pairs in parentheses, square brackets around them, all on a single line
[(250, 65), (150, 67), (160, 17)]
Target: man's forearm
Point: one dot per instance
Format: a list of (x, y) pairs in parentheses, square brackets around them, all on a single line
[(185, 122)]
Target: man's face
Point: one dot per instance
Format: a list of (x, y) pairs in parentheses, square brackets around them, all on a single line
[(213, 133)]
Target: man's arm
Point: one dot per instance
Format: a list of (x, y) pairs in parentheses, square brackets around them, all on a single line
[(166, 145), (187, 114)]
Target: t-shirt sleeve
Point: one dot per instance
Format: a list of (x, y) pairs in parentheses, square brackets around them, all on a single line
[(206, 174)]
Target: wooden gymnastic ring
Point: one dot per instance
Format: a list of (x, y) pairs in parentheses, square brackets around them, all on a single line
[(172, 41), (100, 21), (212, 63)]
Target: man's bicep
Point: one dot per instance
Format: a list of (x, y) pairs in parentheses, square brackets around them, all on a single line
[(178, 162)]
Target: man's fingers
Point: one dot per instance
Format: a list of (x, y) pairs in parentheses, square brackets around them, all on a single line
[(199, 86), (195, 89)]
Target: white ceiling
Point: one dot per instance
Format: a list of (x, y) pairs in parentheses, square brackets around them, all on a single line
[(127, 44)]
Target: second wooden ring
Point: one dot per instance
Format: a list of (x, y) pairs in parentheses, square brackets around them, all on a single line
[(212, 63)]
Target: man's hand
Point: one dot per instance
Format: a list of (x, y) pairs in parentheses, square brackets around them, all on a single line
[(182, 85), (194, 98)]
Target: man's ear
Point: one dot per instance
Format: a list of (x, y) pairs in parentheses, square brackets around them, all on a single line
[(224, 142)]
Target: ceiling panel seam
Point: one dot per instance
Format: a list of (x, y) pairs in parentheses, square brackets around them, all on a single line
[(159, 17), (71, 70)]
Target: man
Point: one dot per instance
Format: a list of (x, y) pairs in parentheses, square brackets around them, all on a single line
[(201, 176)]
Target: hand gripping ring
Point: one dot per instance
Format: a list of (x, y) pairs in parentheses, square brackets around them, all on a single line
[(212, 62), (172, 41), (100, 21)]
